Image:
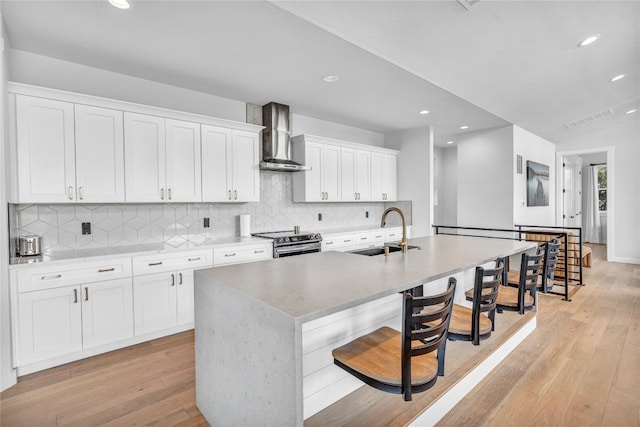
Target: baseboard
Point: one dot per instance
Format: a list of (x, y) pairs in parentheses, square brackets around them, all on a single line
[(625, 260), (456, 393)]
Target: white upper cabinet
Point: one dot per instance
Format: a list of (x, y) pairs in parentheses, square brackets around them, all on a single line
[(230, 165), (184, 181), (45, 150), (322, 183), (356, 170), (383, 177), (162, 159), (343, 171), (99, 155)]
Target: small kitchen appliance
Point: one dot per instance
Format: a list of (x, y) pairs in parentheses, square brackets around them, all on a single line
[(29, 245)]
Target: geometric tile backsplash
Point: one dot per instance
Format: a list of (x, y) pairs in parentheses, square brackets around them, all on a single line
[(182, 224)]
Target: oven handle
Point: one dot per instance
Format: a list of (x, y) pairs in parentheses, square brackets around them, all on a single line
[(297, 248)]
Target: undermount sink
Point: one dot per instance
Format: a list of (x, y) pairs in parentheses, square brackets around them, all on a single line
[(380, 250)]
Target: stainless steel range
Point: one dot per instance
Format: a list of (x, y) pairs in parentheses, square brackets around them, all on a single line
[(289, 243)]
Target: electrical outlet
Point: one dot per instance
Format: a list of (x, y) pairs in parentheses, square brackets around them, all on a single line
[(366, 214), (319, 217), (206, 223), (86, 228)]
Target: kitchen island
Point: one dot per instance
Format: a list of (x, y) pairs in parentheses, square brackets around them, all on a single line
[(252, 322)]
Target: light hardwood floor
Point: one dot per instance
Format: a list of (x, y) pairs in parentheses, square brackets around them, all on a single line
[(581, 366)]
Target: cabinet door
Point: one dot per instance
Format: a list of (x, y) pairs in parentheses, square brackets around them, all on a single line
[(183, 161), (348, 174), (154, 302), (216, 161), (377, 178), (144, 153), (46, 151), (246, 176), (390, 180), (314, 191), (49, 324), (184, 296), (363, 175), (99, 155), (107, 312), (331, 172)]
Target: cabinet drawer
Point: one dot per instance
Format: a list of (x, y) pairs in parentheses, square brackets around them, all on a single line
[(158, 263), (339, 242), (237, 254), (33, 279), (370, 238)]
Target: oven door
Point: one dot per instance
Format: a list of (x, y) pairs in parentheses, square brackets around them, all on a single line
[(297, 249)]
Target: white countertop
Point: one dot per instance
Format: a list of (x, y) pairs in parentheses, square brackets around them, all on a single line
[(315, 285), (129, 250)]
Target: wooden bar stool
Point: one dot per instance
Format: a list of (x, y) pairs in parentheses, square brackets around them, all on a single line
[(469, 324), (403, 362), (549, 263), (522, 298)]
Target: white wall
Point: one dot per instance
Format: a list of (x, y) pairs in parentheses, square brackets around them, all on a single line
[(485, 178), (624, 138), (7, 375), (38, 70), (534, 148), (446, 183), (308, 125), (415, 175)]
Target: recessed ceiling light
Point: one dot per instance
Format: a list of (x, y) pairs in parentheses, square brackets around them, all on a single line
[(330, 78), (616, 78), (631, 111), (449, 142), (120, 4), (423, 112), (589, 40), (464, 127)]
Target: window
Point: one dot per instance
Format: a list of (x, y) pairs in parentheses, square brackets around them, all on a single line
[(602, 188)]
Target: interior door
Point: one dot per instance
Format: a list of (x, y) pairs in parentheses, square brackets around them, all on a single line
[(572, 191)]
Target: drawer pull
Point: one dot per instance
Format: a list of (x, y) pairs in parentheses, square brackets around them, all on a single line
[(151, 264), (105, 270), (364, 238), (86, 294), (75, 296), (233, 254), (173, 280), (179, 278), (347, 241), (328, 243), (378, 237), (194, 259), (259, 252), (57, 276)]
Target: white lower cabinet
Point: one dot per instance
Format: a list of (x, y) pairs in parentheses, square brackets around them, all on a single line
[(59, 321), (162, 300)]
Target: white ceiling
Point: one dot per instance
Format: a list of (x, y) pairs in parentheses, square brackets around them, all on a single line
[(505, 61)]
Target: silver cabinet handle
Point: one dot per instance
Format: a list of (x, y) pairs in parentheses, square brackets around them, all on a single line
[(347, 241), (57, 276), (235, 194), (81, 193), (179, 278), (105, 270), (229, 194), (162, 194), (259, 252), (233, 254), (151, 264), (173, 280), (194, 259), (169, 193), (75, 296), (86, 294), (328, 243), (70, 192)]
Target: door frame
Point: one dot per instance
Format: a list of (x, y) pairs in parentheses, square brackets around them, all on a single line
[(609, 150)]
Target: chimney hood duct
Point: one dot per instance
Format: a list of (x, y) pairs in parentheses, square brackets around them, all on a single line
[(276, 140)]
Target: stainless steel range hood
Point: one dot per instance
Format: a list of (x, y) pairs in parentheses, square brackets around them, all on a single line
[(276, 140)]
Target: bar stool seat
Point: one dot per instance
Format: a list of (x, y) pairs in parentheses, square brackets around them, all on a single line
[(461, 324), (508, 297)]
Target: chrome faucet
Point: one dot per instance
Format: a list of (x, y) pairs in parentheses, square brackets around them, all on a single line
[(403, 242)]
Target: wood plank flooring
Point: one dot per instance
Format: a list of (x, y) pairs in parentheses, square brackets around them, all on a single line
[(581, 366)]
